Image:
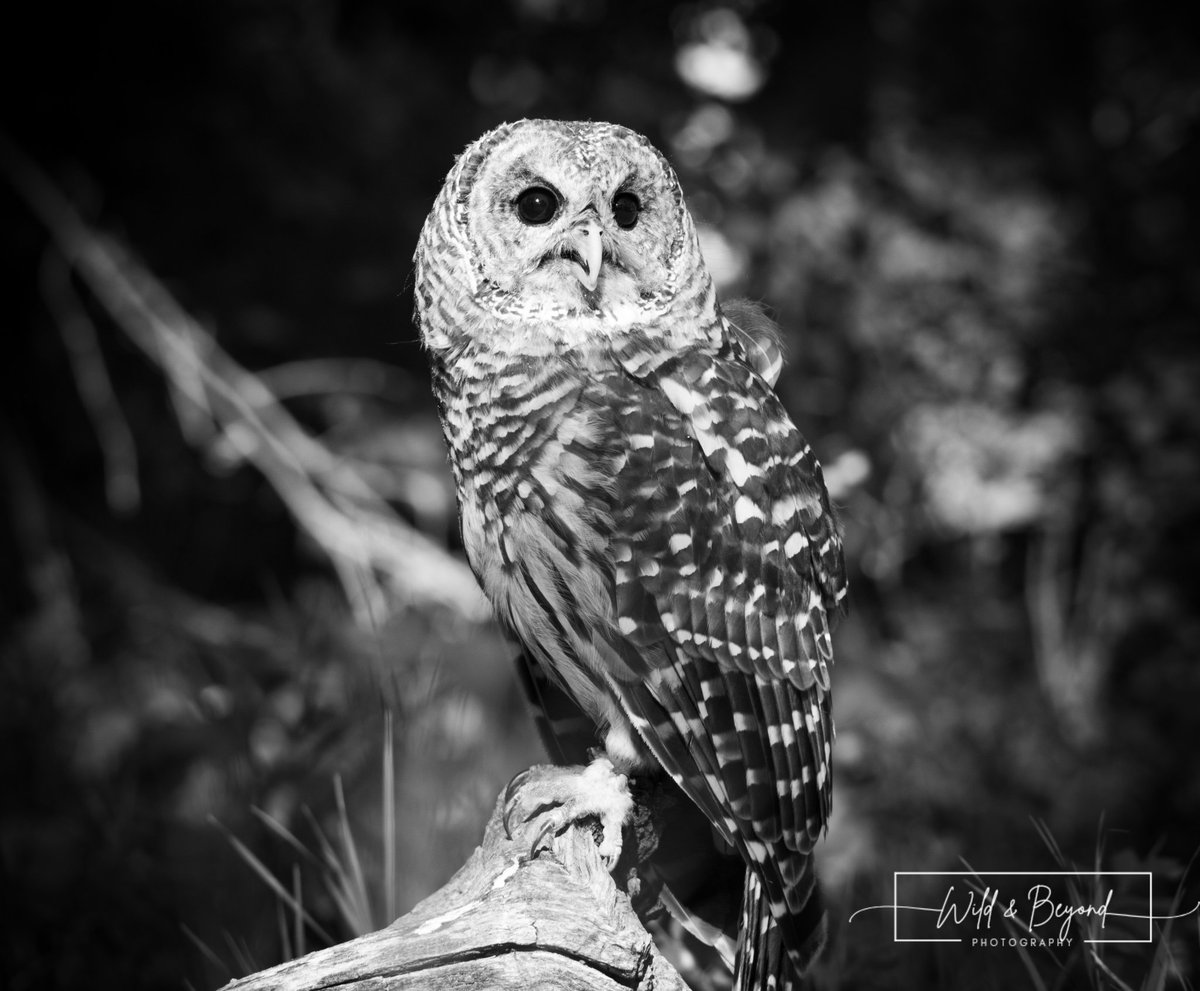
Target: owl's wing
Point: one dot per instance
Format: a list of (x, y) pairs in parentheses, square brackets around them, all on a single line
[(756, 336), (728, 563)]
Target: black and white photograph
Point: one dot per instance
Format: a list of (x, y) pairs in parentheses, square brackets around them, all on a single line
[(686, 495)]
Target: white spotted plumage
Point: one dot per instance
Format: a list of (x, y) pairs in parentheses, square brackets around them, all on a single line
[(635, 500)]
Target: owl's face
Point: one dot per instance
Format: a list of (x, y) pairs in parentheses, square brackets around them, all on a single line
[(562, 228)]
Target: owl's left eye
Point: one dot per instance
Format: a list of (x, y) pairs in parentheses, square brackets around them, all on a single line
[(626, 209), (537, 205)]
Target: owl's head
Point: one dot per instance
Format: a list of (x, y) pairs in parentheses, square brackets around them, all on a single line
[(558, 231)]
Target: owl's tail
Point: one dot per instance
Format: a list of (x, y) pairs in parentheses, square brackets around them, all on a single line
[(764, 961)]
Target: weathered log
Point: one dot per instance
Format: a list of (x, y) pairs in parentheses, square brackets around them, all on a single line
[(506, 920)]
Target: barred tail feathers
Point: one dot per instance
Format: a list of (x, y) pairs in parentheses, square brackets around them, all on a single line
[(763, 961)]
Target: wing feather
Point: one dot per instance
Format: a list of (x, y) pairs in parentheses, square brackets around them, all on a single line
[(731, 555)]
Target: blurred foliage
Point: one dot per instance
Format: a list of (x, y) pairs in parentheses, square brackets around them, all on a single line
[(975, 222)]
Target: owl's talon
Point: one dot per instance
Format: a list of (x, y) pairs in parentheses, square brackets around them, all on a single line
[(544, 809), (556, 798), (549, 829), (510, 792), (517, 780)]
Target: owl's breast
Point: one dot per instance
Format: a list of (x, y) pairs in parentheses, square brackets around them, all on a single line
[(534, 465)]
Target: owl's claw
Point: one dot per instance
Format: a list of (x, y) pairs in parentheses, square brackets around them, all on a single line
[(513, 787), (563, 796), (544, 834)]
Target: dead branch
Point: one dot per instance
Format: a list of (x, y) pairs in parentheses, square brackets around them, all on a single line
[(505, 920), (232, 413)]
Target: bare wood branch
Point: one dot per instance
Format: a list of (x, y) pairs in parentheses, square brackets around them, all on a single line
[(379, 558), (505, 920)]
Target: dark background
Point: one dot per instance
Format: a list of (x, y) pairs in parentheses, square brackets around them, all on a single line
[(975, 222)]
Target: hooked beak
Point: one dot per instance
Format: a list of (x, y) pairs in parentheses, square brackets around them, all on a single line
[(585, 252)]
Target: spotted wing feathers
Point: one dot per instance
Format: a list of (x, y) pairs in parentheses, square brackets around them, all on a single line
[(728, 561)]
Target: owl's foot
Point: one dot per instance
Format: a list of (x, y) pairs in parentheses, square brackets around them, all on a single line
[(559, 797)]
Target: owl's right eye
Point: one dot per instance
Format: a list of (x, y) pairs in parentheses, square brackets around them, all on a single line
[(537, 205)]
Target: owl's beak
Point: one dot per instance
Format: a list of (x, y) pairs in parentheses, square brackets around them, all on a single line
[(585, 252)]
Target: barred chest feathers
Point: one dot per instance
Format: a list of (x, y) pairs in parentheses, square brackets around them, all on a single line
[(533, 459)]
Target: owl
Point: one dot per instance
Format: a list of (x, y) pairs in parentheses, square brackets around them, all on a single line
[(639, 508)]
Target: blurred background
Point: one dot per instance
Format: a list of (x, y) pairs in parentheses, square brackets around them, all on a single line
[(238, 641)]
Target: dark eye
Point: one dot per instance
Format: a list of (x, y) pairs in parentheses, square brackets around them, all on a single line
[(537, 205), (626, 210)]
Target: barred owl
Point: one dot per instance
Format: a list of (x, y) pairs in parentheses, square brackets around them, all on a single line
[(634, 499)]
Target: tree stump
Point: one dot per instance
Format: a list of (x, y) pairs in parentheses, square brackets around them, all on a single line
[(506, 920)]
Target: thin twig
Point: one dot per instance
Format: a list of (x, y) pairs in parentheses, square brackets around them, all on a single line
[(79, 336)]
